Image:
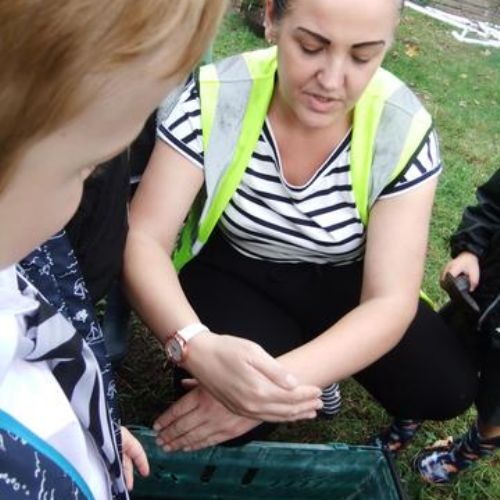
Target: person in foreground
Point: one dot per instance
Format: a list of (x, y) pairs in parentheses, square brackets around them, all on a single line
[(307, 176), (78, 80), (475, 248)]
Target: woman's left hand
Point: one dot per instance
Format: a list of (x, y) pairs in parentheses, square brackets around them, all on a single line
[(198, 420), (133, 454)]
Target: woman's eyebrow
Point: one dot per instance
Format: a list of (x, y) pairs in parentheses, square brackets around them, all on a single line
[(326, 41), (368, 44), (318, 37)]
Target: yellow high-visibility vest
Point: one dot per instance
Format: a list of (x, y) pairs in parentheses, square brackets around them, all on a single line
[(389, 127)]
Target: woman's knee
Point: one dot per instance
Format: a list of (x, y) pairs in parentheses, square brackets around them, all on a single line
[(452, 404), (440, 401)]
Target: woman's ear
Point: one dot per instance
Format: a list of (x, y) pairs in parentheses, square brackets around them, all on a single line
[(268, 22)]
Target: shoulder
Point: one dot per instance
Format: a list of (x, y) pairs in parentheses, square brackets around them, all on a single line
[(424, 164), (396, 96), (252, 65), (181, 126)]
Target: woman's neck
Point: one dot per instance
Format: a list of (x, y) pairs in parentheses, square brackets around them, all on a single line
[(303, 150), (283, 117)]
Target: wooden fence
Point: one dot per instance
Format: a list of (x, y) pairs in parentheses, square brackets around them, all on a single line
[(479, 10)]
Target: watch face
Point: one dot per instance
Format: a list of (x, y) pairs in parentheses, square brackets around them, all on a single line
[(174, 350)]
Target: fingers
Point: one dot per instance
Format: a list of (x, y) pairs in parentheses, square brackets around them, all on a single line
[(212, 433), (183, 406), (274, 404), (133, 454), (209, 441), (274, 371), (465, 263), (174, 439), (292, 413), (474, 274), (301, 394), (128, 472), (210, 417), (291, 417), (248, 382), (183, 428), (205, 441)]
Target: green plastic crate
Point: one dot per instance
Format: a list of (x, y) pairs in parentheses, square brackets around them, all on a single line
[(268, 470)]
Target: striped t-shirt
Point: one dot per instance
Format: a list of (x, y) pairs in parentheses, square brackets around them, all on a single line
[(269, 218)]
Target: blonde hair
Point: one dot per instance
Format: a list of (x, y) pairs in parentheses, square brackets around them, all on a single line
[(48, 47)]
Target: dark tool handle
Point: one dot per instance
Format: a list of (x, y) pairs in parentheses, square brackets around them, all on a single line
[(458, 288)]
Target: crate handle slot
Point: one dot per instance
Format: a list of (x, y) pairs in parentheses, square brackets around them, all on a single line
[(249, 476), (207, 473)]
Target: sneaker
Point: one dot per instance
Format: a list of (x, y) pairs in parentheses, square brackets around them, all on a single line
[(442, 462), (397, 436)]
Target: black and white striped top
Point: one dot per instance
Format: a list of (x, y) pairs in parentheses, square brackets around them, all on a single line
[(268, 218)]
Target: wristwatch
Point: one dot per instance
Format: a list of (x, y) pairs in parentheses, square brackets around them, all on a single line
[(176, 344)]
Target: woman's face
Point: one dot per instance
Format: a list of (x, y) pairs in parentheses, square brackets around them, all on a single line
[(46, 186), (328, 50)]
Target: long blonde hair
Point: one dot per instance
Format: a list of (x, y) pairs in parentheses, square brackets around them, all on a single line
[(48, 47)]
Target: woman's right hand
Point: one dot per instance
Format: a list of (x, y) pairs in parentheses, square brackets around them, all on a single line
[(465, 263), (247, 380)]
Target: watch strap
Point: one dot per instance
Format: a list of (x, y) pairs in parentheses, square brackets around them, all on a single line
[(190, 331)]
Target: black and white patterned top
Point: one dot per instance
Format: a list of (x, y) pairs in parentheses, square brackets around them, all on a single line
[(56, 392), (269, 218)]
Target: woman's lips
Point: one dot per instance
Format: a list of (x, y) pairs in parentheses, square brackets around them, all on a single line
[(323, 104)]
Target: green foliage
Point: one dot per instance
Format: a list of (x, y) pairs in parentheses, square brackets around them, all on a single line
[(251, 5), (235, 37)]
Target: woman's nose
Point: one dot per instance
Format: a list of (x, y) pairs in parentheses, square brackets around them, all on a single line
[(332, 75)]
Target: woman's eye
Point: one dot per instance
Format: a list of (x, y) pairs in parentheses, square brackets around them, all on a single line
[(360, 60), (310, 50)]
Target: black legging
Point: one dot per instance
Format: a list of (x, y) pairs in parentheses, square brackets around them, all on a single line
[(428, 375)]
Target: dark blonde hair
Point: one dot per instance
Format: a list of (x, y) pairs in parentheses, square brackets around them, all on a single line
[(280, 7), (48, 47)]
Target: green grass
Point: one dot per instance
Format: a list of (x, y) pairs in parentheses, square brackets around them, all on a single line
[(460, 86)]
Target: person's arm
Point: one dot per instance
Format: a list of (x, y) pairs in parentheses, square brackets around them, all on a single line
[(393, 269), (239, 373), (479, 222), (394, 261), (158, 209)]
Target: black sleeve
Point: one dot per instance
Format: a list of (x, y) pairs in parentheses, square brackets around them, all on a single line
[(480, 222), (98, 230), (142, 147)]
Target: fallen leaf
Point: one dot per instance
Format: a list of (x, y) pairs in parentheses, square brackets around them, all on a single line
[(443, 443), (412, 50)]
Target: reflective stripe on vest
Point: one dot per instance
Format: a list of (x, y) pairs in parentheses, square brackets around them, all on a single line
[(389, 126)]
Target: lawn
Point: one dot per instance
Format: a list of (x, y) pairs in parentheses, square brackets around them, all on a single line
[(460, 86)]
